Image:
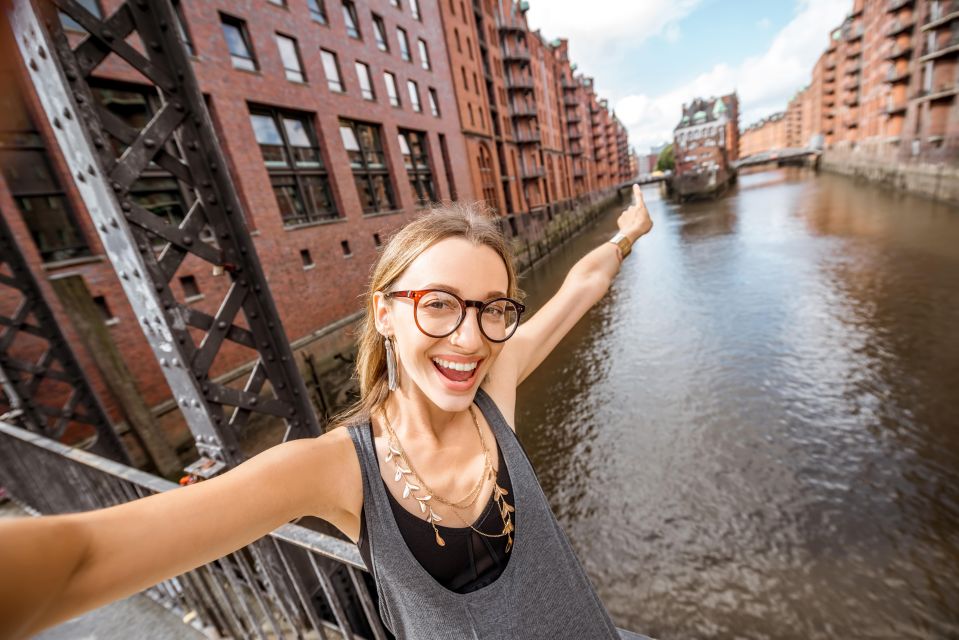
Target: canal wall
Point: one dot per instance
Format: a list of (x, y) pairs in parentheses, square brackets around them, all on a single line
[(936, 181), (325, 357)]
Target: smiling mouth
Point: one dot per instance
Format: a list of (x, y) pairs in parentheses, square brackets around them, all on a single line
[(457, 375)]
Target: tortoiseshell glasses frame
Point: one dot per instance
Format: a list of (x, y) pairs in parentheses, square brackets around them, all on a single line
[(417, 294)]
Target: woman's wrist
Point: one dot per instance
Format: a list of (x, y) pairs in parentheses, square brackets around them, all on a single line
[(623, 244)]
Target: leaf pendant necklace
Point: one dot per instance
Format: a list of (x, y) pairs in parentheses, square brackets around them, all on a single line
[(403, 467)]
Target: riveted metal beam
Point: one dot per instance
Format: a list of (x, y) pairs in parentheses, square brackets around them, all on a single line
[(34, 351), (180, 140)]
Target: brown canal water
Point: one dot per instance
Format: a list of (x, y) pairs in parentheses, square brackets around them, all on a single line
[(755, 434)]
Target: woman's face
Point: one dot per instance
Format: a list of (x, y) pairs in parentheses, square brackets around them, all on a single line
[(473, 272)]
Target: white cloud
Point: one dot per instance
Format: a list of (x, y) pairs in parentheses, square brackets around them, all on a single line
[(765, 82), (601, 30)]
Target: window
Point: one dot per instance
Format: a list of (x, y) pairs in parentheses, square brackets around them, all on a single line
[(487, 175), (318, 11), (404, 44), (292, 157), (363, 145), (191, 290), (424, 54), (35, 187), (447, 167), (156, 190), (391, 88), (106, 313), (379, 32), (279, 3), (415, 9), (414, 92), (395, 3), (345, 246), (332, 70), (413, 144), (434, 104), (290, 55), (306, 259), (376, 240), (349, 18), (238, 42), (366, 81), (456, 36)]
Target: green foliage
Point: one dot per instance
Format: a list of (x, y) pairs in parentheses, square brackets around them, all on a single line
[(666, 161)]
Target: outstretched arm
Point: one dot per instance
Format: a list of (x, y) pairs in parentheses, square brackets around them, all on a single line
[(585, 284), (53, 568)]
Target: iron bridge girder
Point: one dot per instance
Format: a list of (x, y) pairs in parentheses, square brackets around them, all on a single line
[(180, 139)]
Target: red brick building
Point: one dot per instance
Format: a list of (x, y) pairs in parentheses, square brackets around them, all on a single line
[(707, 134), (524, 112), (340, 121), (886, 86), (768, 134)]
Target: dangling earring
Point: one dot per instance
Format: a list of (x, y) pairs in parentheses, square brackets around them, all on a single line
[(390, 363)]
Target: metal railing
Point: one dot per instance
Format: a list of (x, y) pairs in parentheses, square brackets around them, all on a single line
[(898, 26), (894, 5), (531, 172), (319, 587), (520, 109), (519, 81), (940, 11), (515, 52), (527, 137)]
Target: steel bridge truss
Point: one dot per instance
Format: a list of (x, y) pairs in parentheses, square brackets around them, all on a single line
[(38, 369), (107, 156)]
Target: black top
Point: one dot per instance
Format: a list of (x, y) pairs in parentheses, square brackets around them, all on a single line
[(469, 561)]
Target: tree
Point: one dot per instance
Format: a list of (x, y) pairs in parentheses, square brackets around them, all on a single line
[(666, 161)]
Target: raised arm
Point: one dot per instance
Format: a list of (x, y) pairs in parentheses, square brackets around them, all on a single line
[(585, 284), (53, 568)]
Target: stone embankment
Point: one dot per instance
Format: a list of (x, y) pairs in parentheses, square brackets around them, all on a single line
[(936, 181)]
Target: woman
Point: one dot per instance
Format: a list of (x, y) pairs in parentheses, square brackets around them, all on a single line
[(439, 495)]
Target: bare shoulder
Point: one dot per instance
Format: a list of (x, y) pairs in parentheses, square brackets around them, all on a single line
[(503, 394), (328, 470)]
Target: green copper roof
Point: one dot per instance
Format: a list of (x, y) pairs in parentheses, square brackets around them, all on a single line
[(699, 116), (720, 108)]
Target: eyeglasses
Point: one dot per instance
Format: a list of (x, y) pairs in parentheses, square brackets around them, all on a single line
[(439, 313)]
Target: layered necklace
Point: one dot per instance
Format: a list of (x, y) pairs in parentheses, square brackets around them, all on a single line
[(415, 488)]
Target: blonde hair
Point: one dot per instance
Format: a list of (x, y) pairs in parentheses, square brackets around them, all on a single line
[(468, 221)]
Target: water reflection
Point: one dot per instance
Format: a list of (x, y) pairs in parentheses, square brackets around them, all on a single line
[(754, 434)]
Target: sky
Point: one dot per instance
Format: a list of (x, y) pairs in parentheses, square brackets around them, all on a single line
[(648, 57)]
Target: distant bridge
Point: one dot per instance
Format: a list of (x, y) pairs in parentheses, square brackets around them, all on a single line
[(645, 178), (779, 157)]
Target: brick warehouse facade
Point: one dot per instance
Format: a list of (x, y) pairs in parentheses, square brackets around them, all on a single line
[(884, 91), (523, 114), (340, 122)]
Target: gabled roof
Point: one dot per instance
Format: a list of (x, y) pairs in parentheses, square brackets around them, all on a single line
[(703, 110)]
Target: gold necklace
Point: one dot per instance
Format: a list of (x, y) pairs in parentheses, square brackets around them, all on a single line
[(465, 502), (396, 454)]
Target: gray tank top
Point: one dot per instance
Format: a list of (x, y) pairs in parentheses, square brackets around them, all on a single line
[(543, 593)]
